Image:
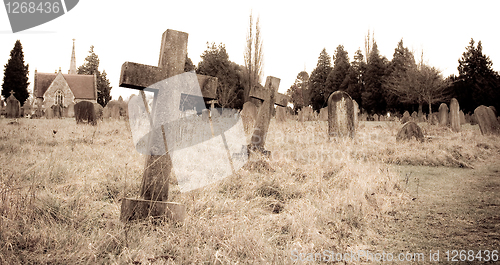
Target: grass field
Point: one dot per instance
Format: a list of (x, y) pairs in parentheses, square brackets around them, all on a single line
[(61, 186)]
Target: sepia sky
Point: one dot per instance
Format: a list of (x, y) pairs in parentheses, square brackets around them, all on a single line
[(294, 33)]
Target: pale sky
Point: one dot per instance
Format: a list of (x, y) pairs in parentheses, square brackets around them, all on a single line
[(293, 33)]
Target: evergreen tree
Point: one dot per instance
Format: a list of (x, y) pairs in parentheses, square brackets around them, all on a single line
[(188, 65), (90, 67), (401, 68), (373, 98), (337, 76), (477, 83), (354, 78), (16, 75), (215, 62), (317, 81), (299, 92)]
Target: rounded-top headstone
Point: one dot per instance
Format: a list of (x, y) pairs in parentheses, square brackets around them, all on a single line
[(454, 115), (340, 115), (406, 117), (488, 123), (443, 114), (410, 130)]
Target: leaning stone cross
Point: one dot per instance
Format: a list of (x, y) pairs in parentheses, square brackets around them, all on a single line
[(155, 186), (269, 96)]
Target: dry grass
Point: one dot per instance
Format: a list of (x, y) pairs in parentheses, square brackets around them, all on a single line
[(61, 185)]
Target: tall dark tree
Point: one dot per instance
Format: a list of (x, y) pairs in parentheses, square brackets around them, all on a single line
[(299, 92), (90, 67), (337, 77), (373, 98), (189, 65), (401, 68), (317, 81), (477, 83), (354, 78), (215, 62), (16, 75)]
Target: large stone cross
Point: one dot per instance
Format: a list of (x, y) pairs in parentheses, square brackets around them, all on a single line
[(155, 187), (269, 95)]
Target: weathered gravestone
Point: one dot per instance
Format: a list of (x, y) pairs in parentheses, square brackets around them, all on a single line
[(494, 110), (414, 116), (98, 110), (57, 111), (462, 117), (69, 111), (155, 186), (249, 115), (269, 96), (454, 115), (323, 114), (443, 114), (406, 117), (364, 116), (13, 107), (280, 114), (487, 120), (433, 119), (84, 112), (307, 113), (375, 117), (341, 115), (410, 130)]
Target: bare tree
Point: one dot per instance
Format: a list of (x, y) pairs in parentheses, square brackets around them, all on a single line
[(253, 56), (419, 84)]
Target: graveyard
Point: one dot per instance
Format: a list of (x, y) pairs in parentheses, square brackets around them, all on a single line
[(63, 185)]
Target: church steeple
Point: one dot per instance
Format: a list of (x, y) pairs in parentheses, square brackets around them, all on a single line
[(72, 66)]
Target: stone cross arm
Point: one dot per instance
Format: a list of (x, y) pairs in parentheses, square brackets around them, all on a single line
[(260, 92), (140, 76)]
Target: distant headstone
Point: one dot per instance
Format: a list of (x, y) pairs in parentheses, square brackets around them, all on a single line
[(409, 131), (308, 113), (467, 118), (364, 116), (341, 115), (280, 114), (300, 115), (487, 120), (248, 116), (421, 117), (414, 116), (98, 110), (84, 112), (13, 107), (406, 117), (27, 108), (375, 117), (57, 111), (462, 117), (323, 114), (382, 118), (433, 119), (443, 114), (454, 115), (69, 111), (205, 115), (473, 119)]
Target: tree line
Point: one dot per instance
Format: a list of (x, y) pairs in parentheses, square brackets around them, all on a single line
[(380, 85)]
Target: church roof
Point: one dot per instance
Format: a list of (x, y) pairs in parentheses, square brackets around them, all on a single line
[(82, 86)]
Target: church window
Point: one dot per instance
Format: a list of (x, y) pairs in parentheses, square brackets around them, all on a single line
[(59, 97)]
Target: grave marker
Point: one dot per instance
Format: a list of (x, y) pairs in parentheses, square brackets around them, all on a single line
[(454, 115), (155, 186), (487, 120), (13, 107), (269, 96), (443, 114), (340, 115)]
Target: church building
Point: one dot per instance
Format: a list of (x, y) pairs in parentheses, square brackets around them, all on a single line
[(65, 90)]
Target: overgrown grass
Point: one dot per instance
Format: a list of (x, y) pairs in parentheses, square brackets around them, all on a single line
[(61, 185)]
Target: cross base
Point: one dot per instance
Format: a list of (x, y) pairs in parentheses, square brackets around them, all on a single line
[(257, 152), (138, 209)]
